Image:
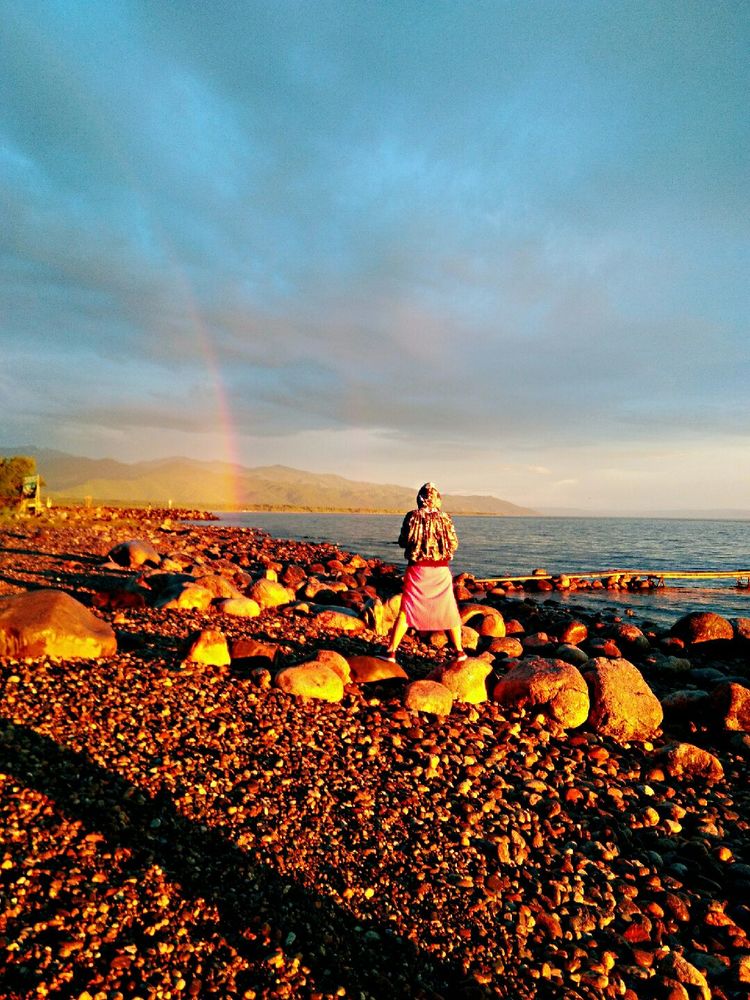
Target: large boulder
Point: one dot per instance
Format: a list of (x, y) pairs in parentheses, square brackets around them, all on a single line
[(428, 696), (688, 762), (52, 623), (336, 662), (623, 706), (538, 644), (164, 582), (469, 637), (209, 647), (484, 619), (239, 607), (315, 587), (685, 704), (506, 647), (294, 576), (189, 597), (311, 680), (730, 707), (391, 609), (630, 638), (554, 686), (270, 594), (702, 626), (571, 653), (374, 616), (134, 553), (573, 633), (341, 619), (369, 669), (467, 680), (670, 666), (218, 585), (251, 653)]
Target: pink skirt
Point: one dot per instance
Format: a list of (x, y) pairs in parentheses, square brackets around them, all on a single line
[(427, 599)]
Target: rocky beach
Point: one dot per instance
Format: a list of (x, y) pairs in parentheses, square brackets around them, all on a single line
[(213, 784)]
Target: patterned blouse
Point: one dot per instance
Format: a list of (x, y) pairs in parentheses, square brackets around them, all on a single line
[(428, 536)]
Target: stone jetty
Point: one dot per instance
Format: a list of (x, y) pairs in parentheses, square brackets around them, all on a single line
[(213, 784)]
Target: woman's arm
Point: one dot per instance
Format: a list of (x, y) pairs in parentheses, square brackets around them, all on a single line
[(453, 537), (403, 538)]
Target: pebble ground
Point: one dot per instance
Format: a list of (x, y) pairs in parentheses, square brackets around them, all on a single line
[(169, 830)]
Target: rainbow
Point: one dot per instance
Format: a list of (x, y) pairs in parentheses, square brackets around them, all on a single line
[(79, 92), (229, 456)]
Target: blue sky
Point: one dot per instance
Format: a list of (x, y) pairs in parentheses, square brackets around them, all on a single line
[(503, 246)]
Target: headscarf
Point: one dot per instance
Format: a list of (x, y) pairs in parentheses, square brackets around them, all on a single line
[(427, 533), (429, 496)]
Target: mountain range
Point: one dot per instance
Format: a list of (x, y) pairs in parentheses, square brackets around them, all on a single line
[(219, 485)]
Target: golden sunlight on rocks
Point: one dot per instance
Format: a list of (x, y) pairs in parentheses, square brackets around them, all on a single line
[(212, 805)]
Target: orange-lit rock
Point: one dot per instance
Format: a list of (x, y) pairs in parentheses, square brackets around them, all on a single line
[(573, 633), (484, 619), (270, 593), (343, 619), (552, 685), (209, 646), (467, 681), (685, 761), (506, 647), (537, 642), (630, 638), (702, 626), (428, 696), (367, 669), (218, 586), (254, 652), (190, 597), (730, 707), (134, 553), (293, 576), (469, 637), (336, 662), (311, 680), (623, 706), (52, 623), (239, 607)]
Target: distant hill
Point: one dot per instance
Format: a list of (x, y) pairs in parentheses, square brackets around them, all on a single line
[(214, 485)]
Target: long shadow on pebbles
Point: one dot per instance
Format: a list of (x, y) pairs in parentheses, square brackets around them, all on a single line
[(205, 864)]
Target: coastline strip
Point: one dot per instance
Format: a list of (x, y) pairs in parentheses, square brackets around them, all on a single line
[(602, 574)]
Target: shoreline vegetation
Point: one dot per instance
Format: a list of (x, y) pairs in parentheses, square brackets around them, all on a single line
[(235, 796)]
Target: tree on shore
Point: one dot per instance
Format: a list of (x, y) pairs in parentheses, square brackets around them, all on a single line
[(13, 471)]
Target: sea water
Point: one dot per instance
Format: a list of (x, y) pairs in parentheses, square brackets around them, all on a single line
[(491, 547)]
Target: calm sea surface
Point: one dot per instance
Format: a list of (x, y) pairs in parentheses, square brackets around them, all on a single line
[(514, 546)]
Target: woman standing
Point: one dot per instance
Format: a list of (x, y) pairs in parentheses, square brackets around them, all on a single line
[(427, 602)]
